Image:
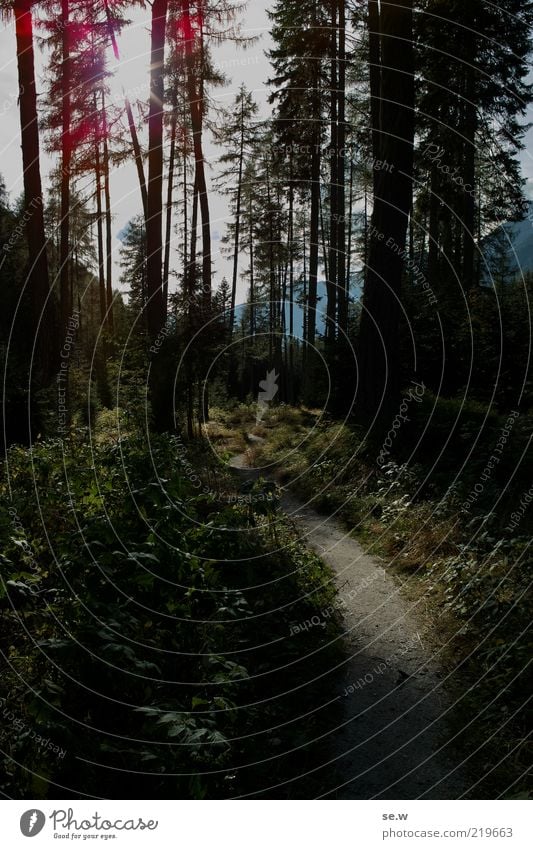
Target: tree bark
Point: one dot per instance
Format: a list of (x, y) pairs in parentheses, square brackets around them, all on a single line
[(195, 97), (191, 276), (154, 243), (170, 193), (131, 123), (314, 243), (469, 178), (108, 225), (137, 156), (252, 281), (66, 164), (332, 275), (237, 225), (314, 221), (379, 332), (99, 222), (434, 229), (350, 239), (291, 286), (38, 284), (341, 176)]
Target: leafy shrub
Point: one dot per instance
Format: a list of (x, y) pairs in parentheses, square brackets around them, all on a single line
[(145, 622)]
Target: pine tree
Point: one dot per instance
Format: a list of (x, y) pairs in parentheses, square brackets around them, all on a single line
[(237, 135), (134, 269), (392, 107), (155, 309), (43, 320), (470, 100), (300, 31)]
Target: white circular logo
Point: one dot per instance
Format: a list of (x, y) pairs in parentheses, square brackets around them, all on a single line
[(32, 822)]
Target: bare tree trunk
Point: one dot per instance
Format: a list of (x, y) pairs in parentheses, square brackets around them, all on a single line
[(469, 177), (332, 276), (341, 174), (190, 291), (305, 288), (374, 57), (170, 192), (131, 123), (185, 221), (237, 225), (66, 160), (154, 245), (108, 226), (314, 243), (434, 230), (379, 333), (196, 107), (137, 156), (194, 236), (99, 223), (272, 276), (314, 223), (291, 286), (323, 238), (366, 230), (350, 235), (37, 277), (252, 281)]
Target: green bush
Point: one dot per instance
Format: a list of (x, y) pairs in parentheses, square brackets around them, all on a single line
[(145, 622)]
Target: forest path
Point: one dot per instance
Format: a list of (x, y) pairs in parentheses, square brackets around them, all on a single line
[(392, 735)]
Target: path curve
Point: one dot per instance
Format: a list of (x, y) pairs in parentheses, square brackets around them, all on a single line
[(393, 738)]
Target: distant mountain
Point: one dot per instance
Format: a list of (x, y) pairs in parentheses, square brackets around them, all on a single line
[(509, 246), (355, 295)]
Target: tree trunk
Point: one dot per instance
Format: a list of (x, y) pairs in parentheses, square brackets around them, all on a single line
[(191, 276), (469, 177), (433, 233), (131, 123), (291, 287), (237, 225), (374, 57), (314, 243), (137, 156), (271, 273), (38, 285), (252, 281), (185, 220), (314, 221), (154, 245), (170, 192), (379, 332), (108, 226), (350, 237), (99, 222), (305, 287), (341, 176), (196, 107), (332, 275), (66, 160)]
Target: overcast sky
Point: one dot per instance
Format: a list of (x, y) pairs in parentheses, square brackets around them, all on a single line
[(249, 67)]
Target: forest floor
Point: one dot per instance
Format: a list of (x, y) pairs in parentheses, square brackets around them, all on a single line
[(392, 737)]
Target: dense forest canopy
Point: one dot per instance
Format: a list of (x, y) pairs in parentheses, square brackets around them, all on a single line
[(299, 243)]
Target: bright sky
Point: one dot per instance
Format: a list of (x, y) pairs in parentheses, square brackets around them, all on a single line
[(249, 67), (240, 66)]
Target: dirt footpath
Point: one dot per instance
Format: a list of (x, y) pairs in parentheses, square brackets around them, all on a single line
[(393, 737)]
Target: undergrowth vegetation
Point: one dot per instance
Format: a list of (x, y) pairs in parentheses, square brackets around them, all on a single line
[(145, 616), (449, 528)]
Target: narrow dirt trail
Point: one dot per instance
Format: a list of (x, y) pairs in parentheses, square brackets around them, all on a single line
[(392, 735)]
